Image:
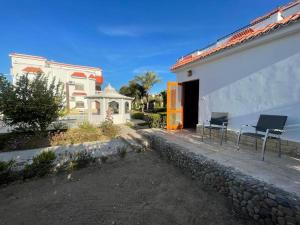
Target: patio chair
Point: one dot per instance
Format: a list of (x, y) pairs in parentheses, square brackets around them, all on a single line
[(218, 121), (267, 127)]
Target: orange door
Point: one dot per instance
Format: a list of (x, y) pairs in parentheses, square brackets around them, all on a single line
[(174, 106)]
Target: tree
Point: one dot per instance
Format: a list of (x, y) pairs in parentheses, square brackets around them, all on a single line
[(164, 97), (33, 104), (133, 90), (5, 87), (147, 81)]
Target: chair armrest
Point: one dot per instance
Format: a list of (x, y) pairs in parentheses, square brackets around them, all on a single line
[(277, 130)]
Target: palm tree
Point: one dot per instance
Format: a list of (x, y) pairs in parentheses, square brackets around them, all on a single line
[(147, 81)]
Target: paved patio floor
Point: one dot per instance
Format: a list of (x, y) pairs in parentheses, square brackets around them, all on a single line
[(282, 172)]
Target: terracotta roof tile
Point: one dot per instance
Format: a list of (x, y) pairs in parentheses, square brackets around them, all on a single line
[(236, 39), (78, 74), (99, 79), (31, 69)]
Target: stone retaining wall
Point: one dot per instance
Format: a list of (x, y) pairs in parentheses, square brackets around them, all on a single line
[(290, 148), (250, 198), (95, 148)]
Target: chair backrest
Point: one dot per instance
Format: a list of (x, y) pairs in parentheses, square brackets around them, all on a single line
[(218, 118), (271, 122)]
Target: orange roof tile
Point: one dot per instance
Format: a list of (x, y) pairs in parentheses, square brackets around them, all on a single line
[(236, 39), (99, 79), (78, 74), (31, 69)]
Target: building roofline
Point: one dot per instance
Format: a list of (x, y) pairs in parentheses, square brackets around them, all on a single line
[(253, 35), (14, 54)]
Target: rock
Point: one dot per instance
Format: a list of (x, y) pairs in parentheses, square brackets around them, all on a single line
[(281, 221), (270, 202), (246, 195), (268, 221), (256, 217), (290, 219), (271, 196)]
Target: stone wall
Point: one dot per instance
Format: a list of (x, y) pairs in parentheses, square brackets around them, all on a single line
[(290, 148), (250, 198), (95, 148)]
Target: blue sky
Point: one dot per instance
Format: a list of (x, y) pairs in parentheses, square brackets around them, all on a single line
[(124, 38)]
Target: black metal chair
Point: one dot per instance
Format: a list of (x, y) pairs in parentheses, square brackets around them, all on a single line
[(267, 127), (218, 121)]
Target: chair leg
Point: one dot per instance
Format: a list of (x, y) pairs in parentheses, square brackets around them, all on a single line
[(256, 141), (226, 134), (264, 145), (203, 132), (279, 147), (222, 135), (238, 140), (210, 132)]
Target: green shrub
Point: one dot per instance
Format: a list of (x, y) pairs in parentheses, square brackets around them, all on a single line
[(137, 115), (122, 151), (109, 129), (7, 172), (42, 165), (104, 158), (159, 110), (153, 120), (80, 160)]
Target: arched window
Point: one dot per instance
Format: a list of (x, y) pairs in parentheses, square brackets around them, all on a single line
[(114, 106), (126, 107), (97, 105)]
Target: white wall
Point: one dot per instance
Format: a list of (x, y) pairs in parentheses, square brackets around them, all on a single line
[(61, 72), (261, 79)]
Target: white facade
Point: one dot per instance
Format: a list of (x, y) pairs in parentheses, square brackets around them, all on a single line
[(109, 98), (79, 81), (261, 76)]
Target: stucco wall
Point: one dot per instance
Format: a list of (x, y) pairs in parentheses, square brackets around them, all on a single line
[(264, 78)]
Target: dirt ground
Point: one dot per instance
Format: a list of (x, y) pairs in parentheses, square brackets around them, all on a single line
[(140, 189)]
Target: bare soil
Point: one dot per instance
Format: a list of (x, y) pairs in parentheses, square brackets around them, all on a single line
[(140, 189)]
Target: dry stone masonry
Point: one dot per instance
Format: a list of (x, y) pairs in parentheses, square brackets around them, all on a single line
[(250, 198)]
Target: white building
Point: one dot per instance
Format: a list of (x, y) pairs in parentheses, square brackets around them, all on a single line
[(120, 106), (79, 81), (253, 71)]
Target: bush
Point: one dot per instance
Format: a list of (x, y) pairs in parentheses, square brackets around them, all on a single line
[(137, 115), (41, 165), (159, 110), (122, 151), (153, 120), (7, 172), (109, 129), (80, 160)]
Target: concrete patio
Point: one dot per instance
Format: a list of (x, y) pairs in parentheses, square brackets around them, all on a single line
[(283, 172)]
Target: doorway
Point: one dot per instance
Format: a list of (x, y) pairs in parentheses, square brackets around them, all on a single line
[(190, 93)]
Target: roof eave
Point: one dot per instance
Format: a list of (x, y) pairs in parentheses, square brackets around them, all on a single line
[(289, 28)]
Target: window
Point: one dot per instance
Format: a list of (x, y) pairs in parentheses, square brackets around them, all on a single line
[(114, 106), (79, 87), (126, 107), (80, 104), (98, 87)]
